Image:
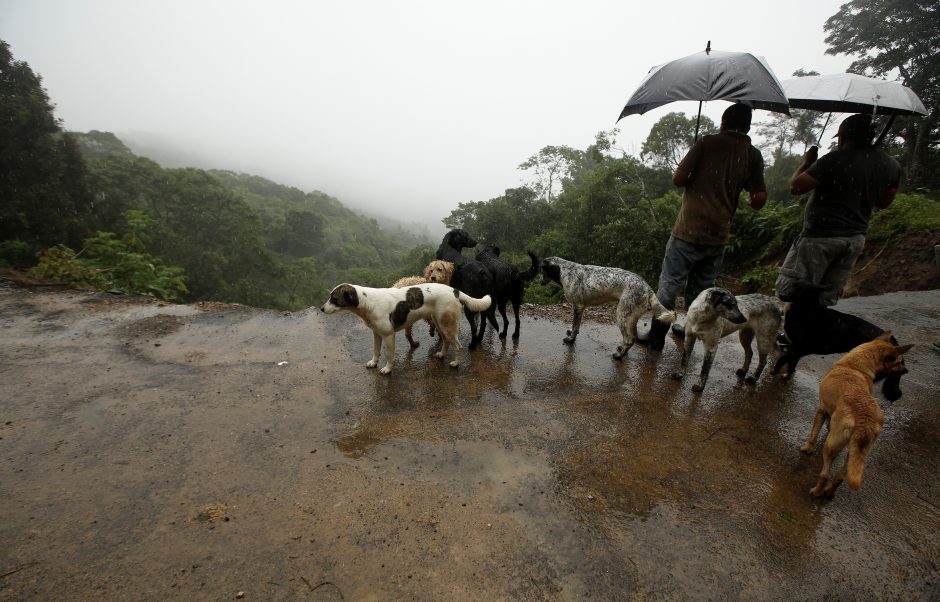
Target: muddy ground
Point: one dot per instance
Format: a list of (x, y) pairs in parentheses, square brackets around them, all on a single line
[(209, 452)]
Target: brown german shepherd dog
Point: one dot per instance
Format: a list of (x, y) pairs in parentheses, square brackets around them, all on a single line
[(846, 401)]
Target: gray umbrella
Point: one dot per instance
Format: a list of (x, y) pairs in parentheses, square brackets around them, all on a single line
[(710, 75), (851, 93)]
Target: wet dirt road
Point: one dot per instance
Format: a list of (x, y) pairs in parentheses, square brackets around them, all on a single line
[(152, 452)]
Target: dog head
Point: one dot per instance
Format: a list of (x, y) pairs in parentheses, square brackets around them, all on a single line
[(342, 297), (551, 271), (722, 302), (439, 271), (459, 239), (887, 357), (490, 249)]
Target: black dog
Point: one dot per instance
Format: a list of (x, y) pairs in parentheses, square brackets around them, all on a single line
[(470, 277), (813, 329), (509, 282)]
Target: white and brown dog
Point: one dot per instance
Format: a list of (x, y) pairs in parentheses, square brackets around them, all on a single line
[(437, 271), (388, 310)]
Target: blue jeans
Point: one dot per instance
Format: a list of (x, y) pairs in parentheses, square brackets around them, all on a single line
[(687, 266)]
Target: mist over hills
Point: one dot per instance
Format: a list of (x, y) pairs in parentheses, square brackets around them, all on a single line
[(172, 153)]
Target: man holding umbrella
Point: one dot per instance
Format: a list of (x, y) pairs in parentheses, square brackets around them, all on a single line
[(714, 173), (846, 184)]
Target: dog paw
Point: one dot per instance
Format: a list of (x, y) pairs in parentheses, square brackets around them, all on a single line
[(816, 491), (385, 370), (697, 388), (740, 373), (807, 448), (455, 364), (620, 353), (568, 340), (415, 344), (750, 380), (439, 354), (371, 364), (677, 375)]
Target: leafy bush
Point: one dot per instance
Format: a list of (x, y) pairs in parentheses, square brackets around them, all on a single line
[(107, 262), (908, 213)]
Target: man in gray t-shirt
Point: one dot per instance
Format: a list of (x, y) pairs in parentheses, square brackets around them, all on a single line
[(846, 184)]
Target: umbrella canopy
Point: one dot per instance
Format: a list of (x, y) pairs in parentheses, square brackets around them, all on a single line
[(710, 75), (850, 93)]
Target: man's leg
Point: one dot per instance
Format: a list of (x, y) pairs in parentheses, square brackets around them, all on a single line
[(677, 263), (845, 252), (706, 270), (806, 263)]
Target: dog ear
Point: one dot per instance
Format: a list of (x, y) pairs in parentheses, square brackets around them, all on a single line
[(901, 350)]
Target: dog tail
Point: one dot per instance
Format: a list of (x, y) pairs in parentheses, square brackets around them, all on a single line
[(474, 304), (533, 271), (861, 441), (659, 312)]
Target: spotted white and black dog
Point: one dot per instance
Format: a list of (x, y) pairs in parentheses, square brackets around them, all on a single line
[(586, 285), (716, 313), (388, 310)]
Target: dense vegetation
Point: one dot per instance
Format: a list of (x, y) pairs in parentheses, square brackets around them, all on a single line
[(82, 208)]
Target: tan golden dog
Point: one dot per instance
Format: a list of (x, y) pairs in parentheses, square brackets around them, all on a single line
[(438, 271), (846, 401)]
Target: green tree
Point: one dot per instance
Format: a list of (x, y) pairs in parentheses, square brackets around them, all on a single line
[(550, 167), (44, 198), (897, 37), (671, 137)]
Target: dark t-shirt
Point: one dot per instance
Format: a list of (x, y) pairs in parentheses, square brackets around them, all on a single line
[(851, 181), (720, 166)]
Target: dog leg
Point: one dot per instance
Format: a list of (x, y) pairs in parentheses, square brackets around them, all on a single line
[(831, 449), (575, 323), (452, 339), (502, 312), (818, 420), (627, 323), (746, 336), (515, 312), (376, 350), (761, 362), (706, 368), (408, 336), (474, 338), (779, 364), (687, 346), (389, 354)]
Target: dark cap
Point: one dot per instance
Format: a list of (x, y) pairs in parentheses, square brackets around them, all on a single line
[(856, 126), (737, 117)]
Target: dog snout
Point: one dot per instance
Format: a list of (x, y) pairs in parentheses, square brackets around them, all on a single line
[(739, 318)]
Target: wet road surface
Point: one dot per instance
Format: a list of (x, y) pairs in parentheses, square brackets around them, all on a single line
[(151, 451)]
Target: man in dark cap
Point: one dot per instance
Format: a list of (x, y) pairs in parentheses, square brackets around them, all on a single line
[(846, 185), (714, 173)]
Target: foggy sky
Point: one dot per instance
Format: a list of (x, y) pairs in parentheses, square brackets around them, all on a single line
[(400, 108)]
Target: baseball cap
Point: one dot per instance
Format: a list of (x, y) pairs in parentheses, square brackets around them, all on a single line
[(856, 126)]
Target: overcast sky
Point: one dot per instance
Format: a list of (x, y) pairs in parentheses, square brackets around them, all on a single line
[(398, 107)]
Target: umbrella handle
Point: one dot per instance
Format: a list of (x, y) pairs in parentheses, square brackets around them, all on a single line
[(699, 119), (825, 125), (884, 130)]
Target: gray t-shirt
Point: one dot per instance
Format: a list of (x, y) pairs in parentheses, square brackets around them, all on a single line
[(851, 181)]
